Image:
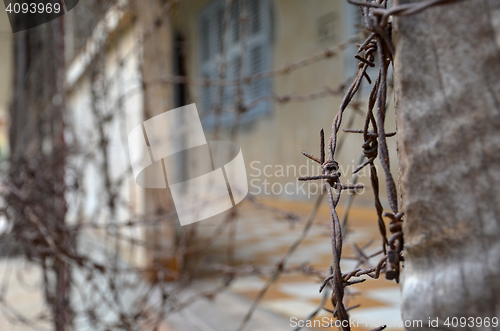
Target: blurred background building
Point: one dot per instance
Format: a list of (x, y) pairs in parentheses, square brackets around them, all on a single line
[(282, 109)]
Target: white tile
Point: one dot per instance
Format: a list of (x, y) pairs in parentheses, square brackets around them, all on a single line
[(251, 283), (348, 265), (391, 296), (301, 290)]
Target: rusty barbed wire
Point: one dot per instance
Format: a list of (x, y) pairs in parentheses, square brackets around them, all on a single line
[(376, 15)]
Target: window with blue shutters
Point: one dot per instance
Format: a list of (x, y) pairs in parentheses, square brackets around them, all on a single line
[(354, 24), (256, 58)]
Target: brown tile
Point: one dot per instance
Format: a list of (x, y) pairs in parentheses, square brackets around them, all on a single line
[(376, 283), (298, 277)]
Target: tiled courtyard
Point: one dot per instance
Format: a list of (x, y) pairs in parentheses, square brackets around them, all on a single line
[(263, 238)]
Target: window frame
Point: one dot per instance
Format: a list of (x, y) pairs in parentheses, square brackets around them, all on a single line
[(207, 67), (353, 14)]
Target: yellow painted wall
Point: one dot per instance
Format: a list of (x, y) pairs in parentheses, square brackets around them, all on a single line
[(278, 137)]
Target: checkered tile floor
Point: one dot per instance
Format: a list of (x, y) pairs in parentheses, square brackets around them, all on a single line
[(262, 239)]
